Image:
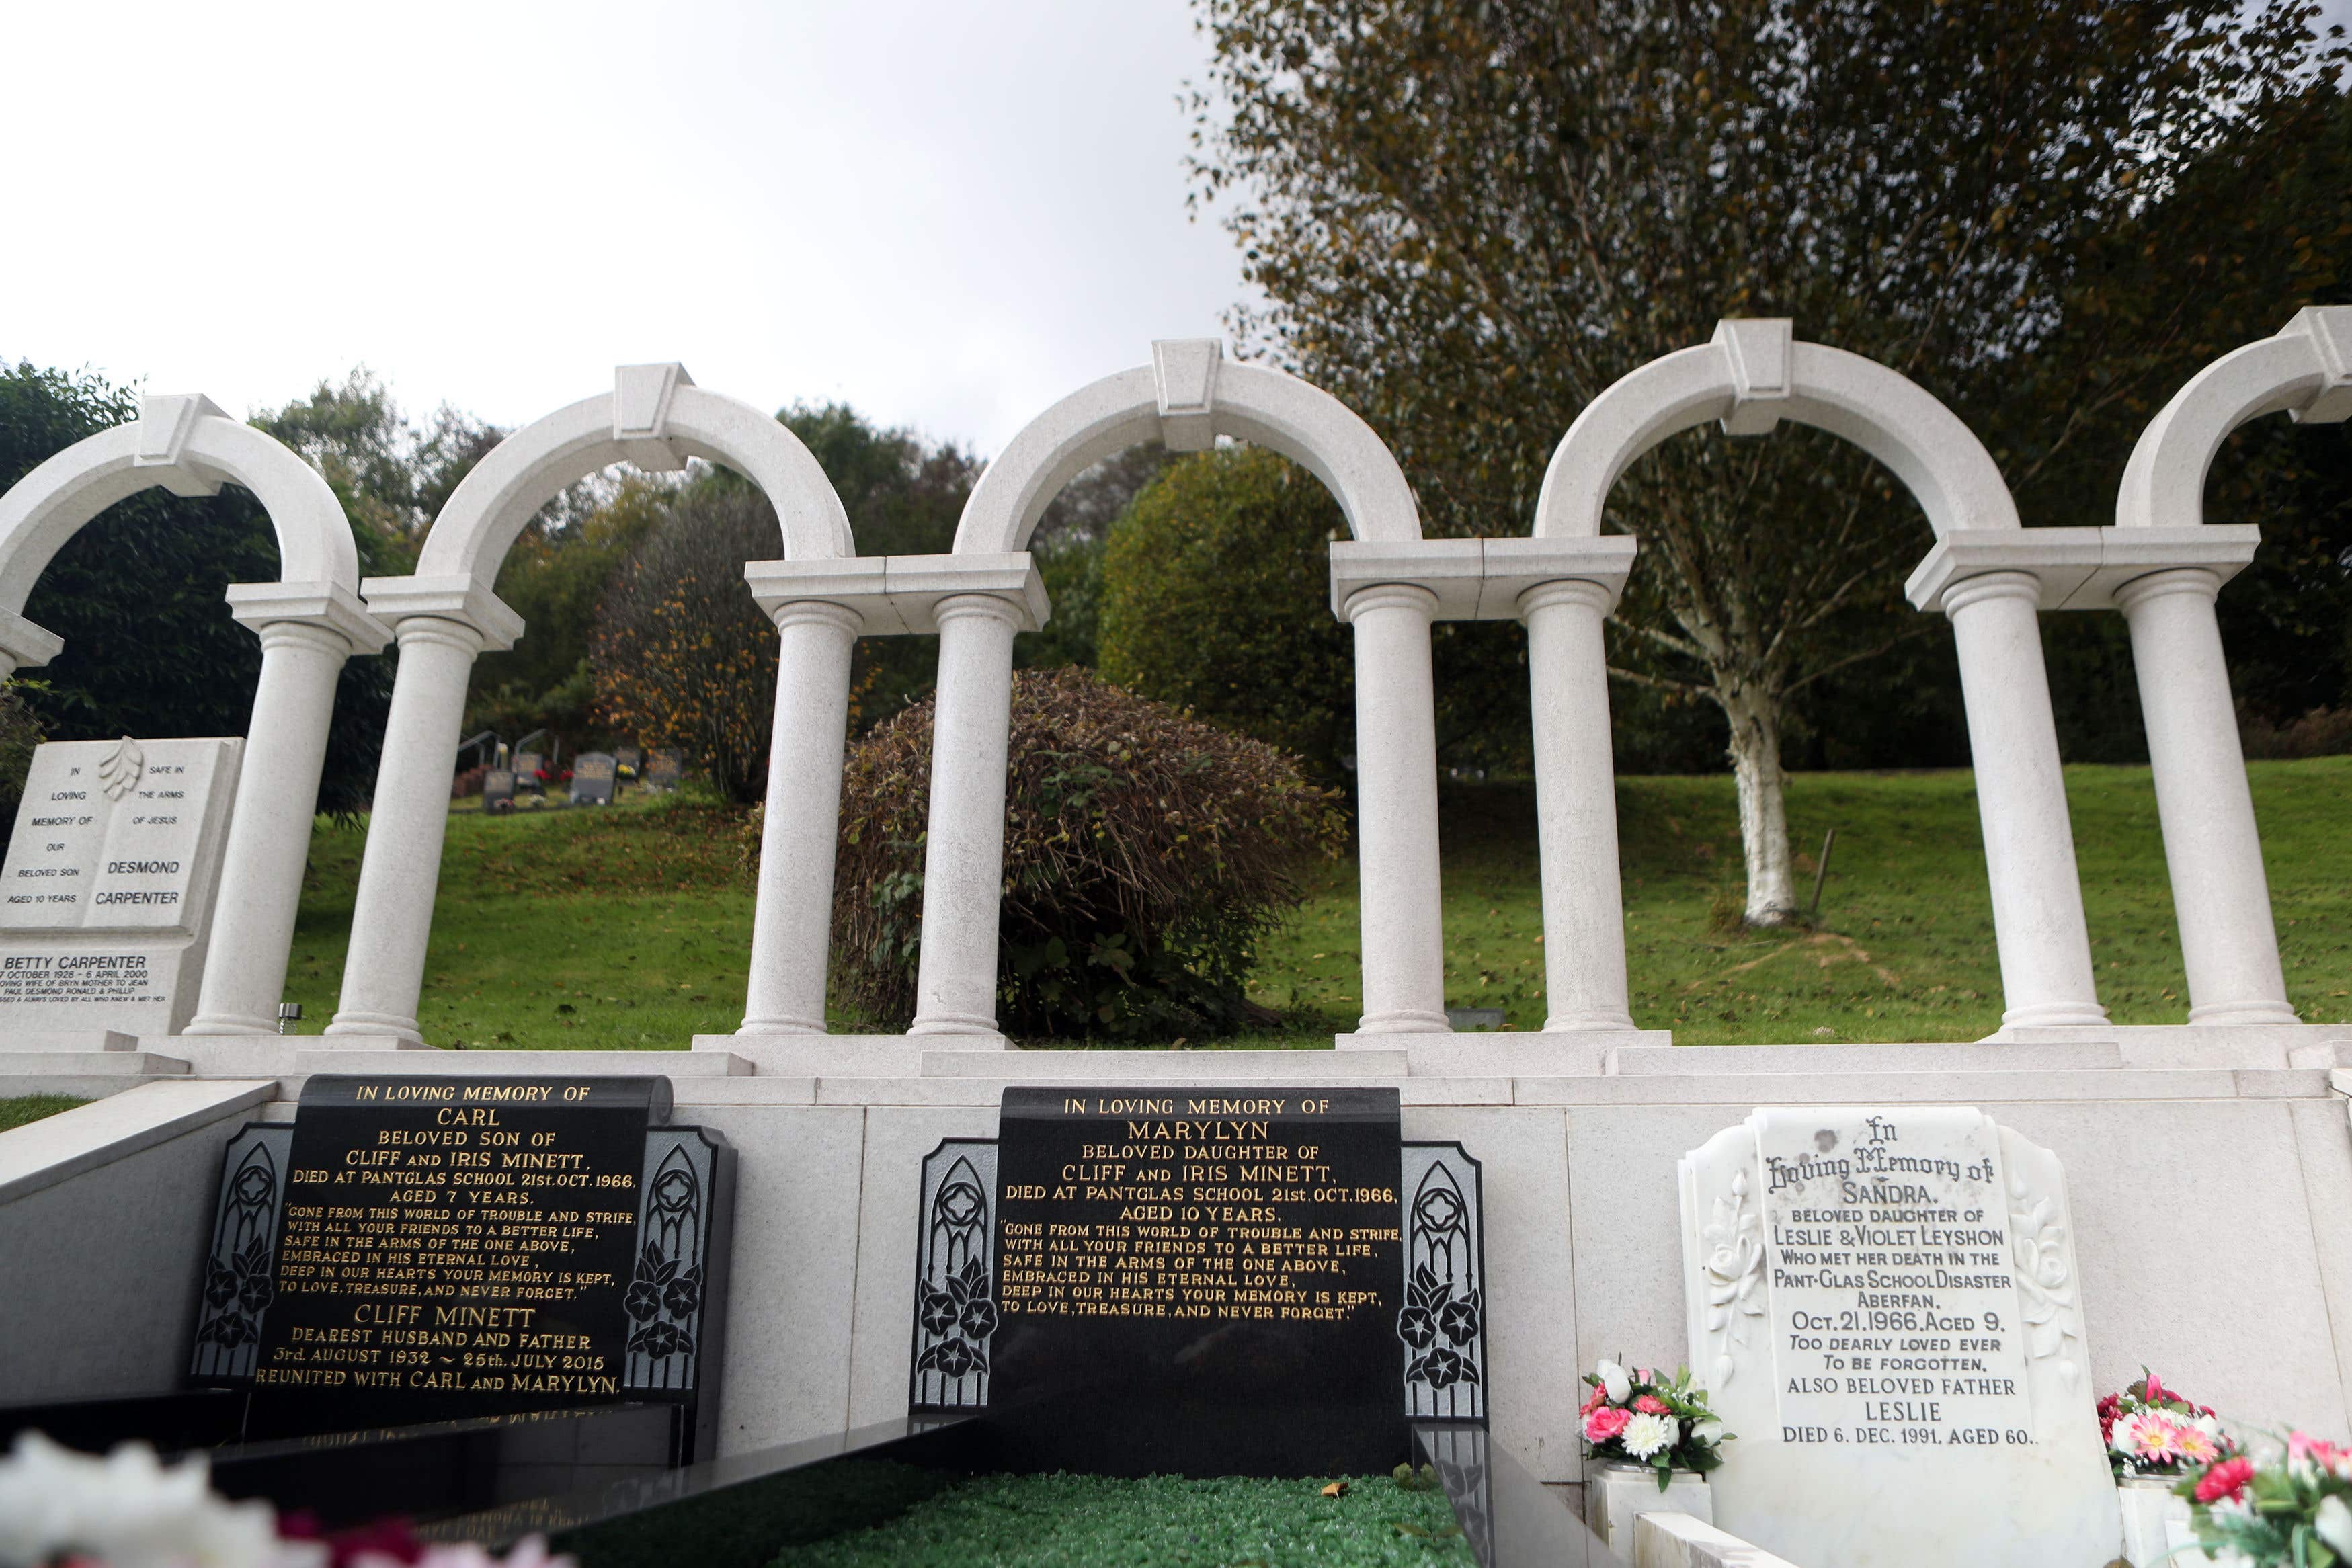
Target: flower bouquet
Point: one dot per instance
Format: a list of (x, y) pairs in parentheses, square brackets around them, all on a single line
[(2291, 1509), (1637, 1417), (59, 1509), (2151, 1430)]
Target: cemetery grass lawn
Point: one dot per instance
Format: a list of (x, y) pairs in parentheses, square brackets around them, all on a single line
[(1093, 1522), (19, 1110), (627, 927)]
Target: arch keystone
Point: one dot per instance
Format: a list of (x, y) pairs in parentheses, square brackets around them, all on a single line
[(1758, 350), (642, 396), (2329, 327), (165, 422), (1185, 372)]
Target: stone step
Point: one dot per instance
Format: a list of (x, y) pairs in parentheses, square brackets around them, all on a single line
[(1305, 1068), (110, 1063), (524, 1063), (1637, 1061), (47, 1041)]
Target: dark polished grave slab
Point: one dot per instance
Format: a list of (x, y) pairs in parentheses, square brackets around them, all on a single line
[(418, 1248), (594, 778), (1196, 1282)]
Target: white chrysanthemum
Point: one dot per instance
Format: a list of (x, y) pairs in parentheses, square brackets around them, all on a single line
[(129, 1512), (1645, 1435)]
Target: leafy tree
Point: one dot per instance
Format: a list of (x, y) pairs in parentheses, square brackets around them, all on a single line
[(1217, 593), (682, 654), (1468, 221), (139, 597), (391, 478)]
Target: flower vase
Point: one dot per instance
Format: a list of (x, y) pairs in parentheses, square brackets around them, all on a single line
[(1615, 1493), (2154, 1521)]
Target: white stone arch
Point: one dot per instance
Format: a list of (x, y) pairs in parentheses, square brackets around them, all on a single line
[(309, 622), (1187, 396), (448, 613), (1752, 374), (2163, 566)]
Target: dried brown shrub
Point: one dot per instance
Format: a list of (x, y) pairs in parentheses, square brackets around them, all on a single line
[(1146, 854)]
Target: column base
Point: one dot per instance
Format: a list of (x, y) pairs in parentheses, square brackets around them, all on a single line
[(954, 1024), (780, 1025), (1405, 1021), (377, 1023), (2056, 1015), (1579, 1023), (2222, 1014)]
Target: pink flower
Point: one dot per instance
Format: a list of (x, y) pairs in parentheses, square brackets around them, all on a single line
[(1605, 1423), (1599, 1397), (2226, 1480), (1651, 1404)]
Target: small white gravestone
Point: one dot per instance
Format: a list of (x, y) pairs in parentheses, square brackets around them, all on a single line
[(1883, 1305), (107, 892)]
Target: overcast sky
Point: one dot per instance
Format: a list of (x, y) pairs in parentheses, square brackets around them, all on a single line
[(948, 214)]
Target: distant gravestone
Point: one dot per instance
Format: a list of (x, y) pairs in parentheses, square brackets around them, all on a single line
[(418, 1248), (593, 778), (665, 770), (1884, 1305), (1201, 1282), (630, 760), (527, 765), (498, 790), (106, 895)]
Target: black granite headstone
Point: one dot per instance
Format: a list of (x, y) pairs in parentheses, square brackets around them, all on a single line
[(665, 770), (419, 1248), (629, 760), (593, 782), (527, 766), (498, 790), (1199, 1281)]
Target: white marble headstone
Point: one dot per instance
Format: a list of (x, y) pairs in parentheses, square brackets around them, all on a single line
[(108, 886), (1883, 1308)]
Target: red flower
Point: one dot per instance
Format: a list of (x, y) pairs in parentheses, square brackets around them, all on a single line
[(2226, 1480), (1651, 1404), (1605, 1423), (1599, 1395)]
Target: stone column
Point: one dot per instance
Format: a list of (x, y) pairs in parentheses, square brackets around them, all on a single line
[(963, 864), (391, 918), (1576, 806), (1396, 810), (2037, 895), (2220, 894), (800, 828), (269, 829)]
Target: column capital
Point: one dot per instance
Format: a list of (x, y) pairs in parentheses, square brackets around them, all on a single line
[(1410, 596), (1479, 579), (467, 602), (900, 595), (329, 607), (2199, 582), (1598, 596), (26, 645), (2078, 569)]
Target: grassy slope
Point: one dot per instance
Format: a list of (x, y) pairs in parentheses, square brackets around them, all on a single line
[(1088, 1521), (628, 928)]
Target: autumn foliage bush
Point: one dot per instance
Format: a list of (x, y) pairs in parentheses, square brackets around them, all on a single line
[(683, 656), (1146, 854)]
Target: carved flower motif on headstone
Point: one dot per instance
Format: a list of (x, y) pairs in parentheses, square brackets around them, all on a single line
[(2044, 1283), (1735, 1271)]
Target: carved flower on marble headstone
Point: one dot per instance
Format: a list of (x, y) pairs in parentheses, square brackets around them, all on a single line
[(2037, 1244), (1734, 1235)]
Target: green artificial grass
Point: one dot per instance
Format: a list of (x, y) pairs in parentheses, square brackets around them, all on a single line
[(24, 1108), (628, 926), (1093, 1522)]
